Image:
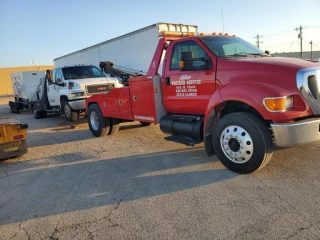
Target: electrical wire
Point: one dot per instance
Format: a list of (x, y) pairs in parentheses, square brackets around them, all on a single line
[(263, 35), (281, 44), (316, 45)]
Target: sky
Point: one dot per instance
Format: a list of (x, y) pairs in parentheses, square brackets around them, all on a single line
[(41, 30)]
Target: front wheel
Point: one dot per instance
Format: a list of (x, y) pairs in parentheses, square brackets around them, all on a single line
[(98, 125), (242, 142), (69, 113)]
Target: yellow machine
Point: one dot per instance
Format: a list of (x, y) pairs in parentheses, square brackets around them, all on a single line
[(13, 135)]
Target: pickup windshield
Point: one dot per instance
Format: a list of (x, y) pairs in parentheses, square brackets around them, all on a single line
[(227, 46), (80, 72)]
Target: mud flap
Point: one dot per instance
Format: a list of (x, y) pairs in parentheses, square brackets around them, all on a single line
[(208, 145)]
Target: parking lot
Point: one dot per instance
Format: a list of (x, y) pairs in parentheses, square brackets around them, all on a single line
[(136, 185)]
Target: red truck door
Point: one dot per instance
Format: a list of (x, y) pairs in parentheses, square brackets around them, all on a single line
[(188, 92)]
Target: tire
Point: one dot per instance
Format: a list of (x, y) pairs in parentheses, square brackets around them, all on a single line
[(69, 113), (242, 142), (11, 108), (17, 107), (145, 124), (114, 126), (36, 113), (43, 114), (98, 125)]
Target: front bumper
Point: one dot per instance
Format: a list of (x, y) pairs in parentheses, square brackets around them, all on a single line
[(78, 104), (291, 134)]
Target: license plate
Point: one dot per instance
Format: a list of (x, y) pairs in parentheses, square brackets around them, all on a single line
[(11, 146)]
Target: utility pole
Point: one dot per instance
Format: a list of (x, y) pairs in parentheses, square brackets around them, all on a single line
[(311, 48), (258, 40), (300, 36)]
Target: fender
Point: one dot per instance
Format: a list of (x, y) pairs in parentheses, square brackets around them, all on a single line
[(252, 94)]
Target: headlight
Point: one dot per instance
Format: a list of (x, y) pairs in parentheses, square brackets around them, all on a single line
[(78, 94), (278, 104)]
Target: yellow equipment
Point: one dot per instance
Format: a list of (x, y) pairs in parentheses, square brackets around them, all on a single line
[(13, 135)]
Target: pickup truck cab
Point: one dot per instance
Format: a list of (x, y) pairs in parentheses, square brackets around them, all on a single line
[(65, 89), (223, 91)]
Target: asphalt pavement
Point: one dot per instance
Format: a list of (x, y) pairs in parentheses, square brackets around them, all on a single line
[(136, 185)]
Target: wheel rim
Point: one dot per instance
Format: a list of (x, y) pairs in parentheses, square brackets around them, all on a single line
[(94, 121), (67, 111), (34, 112), (236, 144)]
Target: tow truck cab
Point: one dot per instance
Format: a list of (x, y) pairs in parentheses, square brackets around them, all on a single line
[(221, 90)]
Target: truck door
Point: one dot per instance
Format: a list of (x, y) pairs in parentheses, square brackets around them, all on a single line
[(53, 89), (188, 92)]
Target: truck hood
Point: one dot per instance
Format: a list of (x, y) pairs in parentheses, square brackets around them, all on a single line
[(280, 71)]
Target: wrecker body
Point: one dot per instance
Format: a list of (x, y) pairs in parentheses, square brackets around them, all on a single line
[(221, 90)]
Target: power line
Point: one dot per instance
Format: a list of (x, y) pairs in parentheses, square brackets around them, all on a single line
[(316, 45), (281, 44), (318, 26), (276, 33)]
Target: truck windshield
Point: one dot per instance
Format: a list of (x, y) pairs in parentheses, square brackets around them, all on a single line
[(227, 46), (80, 72)]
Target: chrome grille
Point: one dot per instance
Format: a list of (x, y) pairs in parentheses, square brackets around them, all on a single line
[(101, 88), (308, 82)]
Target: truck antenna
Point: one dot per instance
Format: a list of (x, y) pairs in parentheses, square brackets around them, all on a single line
[(222, 20)]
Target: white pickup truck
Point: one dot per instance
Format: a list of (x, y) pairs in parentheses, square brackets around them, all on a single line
[(65, 89)]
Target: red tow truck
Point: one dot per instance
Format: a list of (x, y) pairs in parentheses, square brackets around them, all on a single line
[(221, 90)]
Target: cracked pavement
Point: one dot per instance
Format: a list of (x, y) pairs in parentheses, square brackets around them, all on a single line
[(136, 185)]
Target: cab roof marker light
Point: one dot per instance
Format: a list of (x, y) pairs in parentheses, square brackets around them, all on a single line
[(214, 33), (175, 34)]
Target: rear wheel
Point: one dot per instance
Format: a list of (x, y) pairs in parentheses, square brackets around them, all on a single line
[(43, 114), (242, 142), (69, 113), (17, 107), (98, 125), (36, 113), (114, 126), (145, 124)]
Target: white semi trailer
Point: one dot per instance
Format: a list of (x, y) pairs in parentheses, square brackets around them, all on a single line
[(132, 51)]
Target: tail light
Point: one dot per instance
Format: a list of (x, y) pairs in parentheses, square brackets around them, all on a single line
[(18, 137)]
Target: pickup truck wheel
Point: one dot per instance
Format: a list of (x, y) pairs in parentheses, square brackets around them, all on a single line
[(69, 113), (43, 114), (114, 126), (98, 125), (242, 142), (36, 113), (145, 124), (17, 107)]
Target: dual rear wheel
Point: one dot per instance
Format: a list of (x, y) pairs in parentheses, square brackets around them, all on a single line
[(101, 126)]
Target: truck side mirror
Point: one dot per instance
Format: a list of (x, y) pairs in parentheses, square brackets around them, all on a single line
[(48, 76), (186, 61)]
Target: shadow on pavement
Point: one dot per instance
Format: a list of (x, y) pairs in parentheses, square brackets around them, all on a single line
[(85, 183)]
